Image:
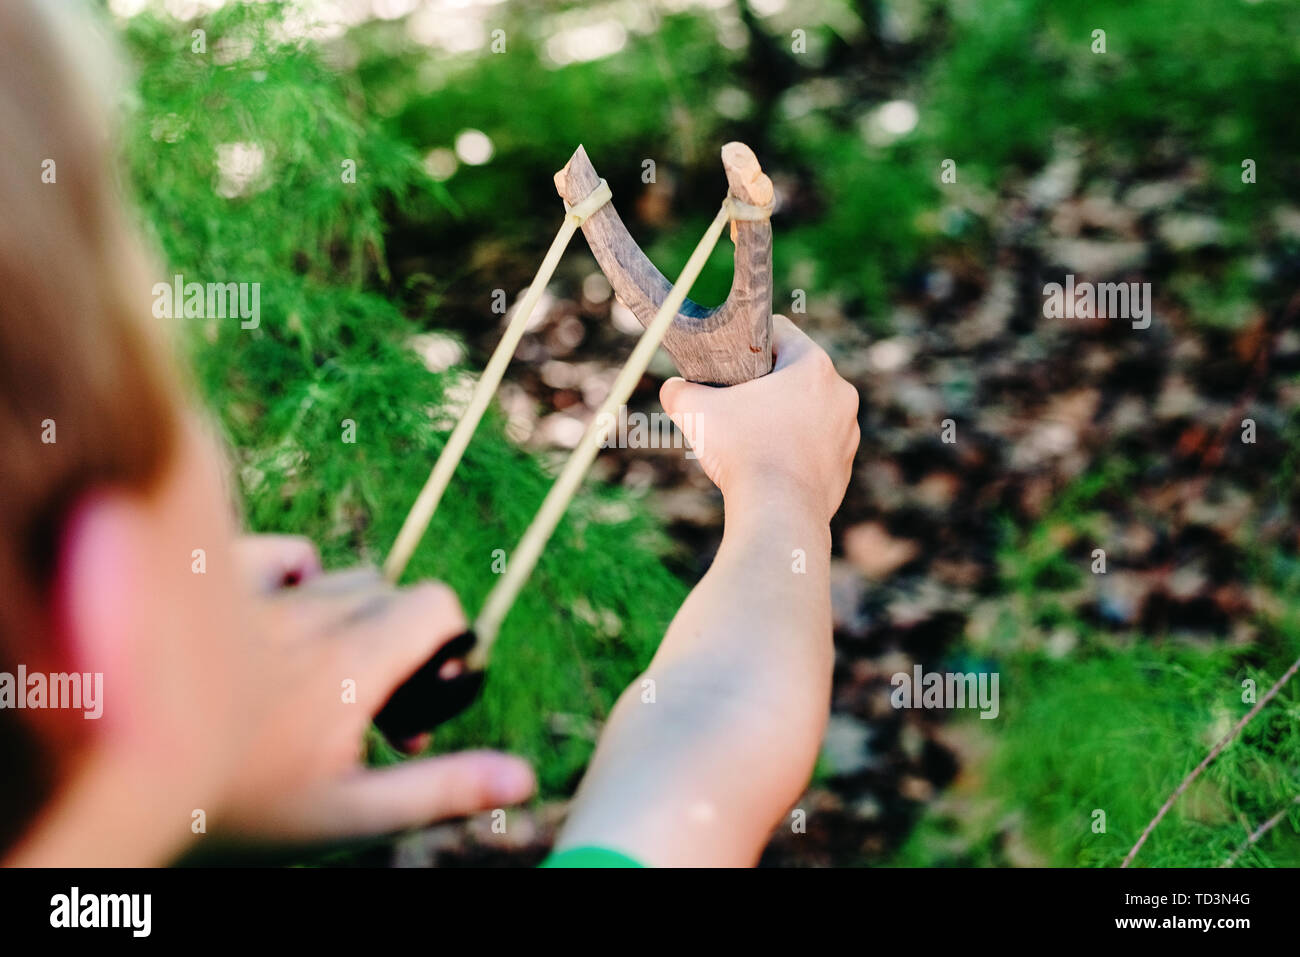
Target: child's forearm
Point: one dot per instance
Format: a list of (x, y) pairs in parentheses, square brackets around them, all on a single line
[(705, 752)]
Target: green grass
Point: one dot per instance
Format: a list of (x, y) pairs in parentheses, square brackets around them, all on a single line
[(1117, 732), (332, 347)]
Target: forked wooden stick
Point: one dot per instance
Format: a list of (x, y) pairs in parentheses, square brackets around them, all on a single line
[(722, 346)]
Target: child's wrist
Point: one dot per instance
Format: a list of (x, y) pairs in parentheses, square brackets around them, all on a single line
[(773, 492)]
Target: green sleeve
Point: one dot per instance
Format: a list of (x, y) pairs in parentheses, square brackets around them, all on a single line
[(589, 857)]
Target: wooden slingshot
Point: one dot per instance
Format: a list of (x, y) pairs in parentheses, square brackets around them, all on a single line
[(722, 346)]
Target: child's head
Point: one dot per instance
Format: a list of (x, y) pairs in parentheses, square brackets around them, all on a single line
[(108, 485)]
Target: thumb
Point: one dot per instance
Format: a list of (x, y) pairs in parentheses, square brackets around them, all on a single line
[(670, 393), (678, 396), (680, 400)]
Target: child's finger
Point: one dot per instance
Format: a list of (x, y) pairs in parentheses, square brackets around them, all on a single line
[(684, 401), (269, 562), (416, 744), (420, 792), (390, 638), (326, 604)]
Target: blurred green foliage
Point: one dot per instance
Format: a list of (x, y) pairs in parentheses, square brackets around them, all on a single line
[(1215, 76), (996, 84)]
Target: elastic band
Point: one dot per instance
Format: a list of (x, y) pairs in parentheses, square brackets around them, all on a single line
[(597, 198), (747, 213), (426, 503)]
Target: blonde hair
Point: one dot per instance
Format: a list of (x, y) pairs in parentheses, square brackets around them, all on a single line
[(88, 393)]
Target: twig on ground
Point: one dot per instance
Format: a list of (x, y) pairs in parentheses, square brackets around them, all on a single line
[(1214, 753), (1260, 831)]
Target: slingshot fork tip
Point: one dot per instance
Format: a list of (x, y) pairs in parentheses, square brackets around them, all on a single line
[(721, 346)]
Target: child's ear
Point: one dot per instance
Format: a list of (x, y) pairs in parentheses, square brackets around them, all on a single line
[(101, 562)]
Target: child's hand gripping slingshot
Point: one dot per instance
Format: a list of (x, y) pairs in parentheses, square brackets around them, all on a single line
[(722, 346)]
